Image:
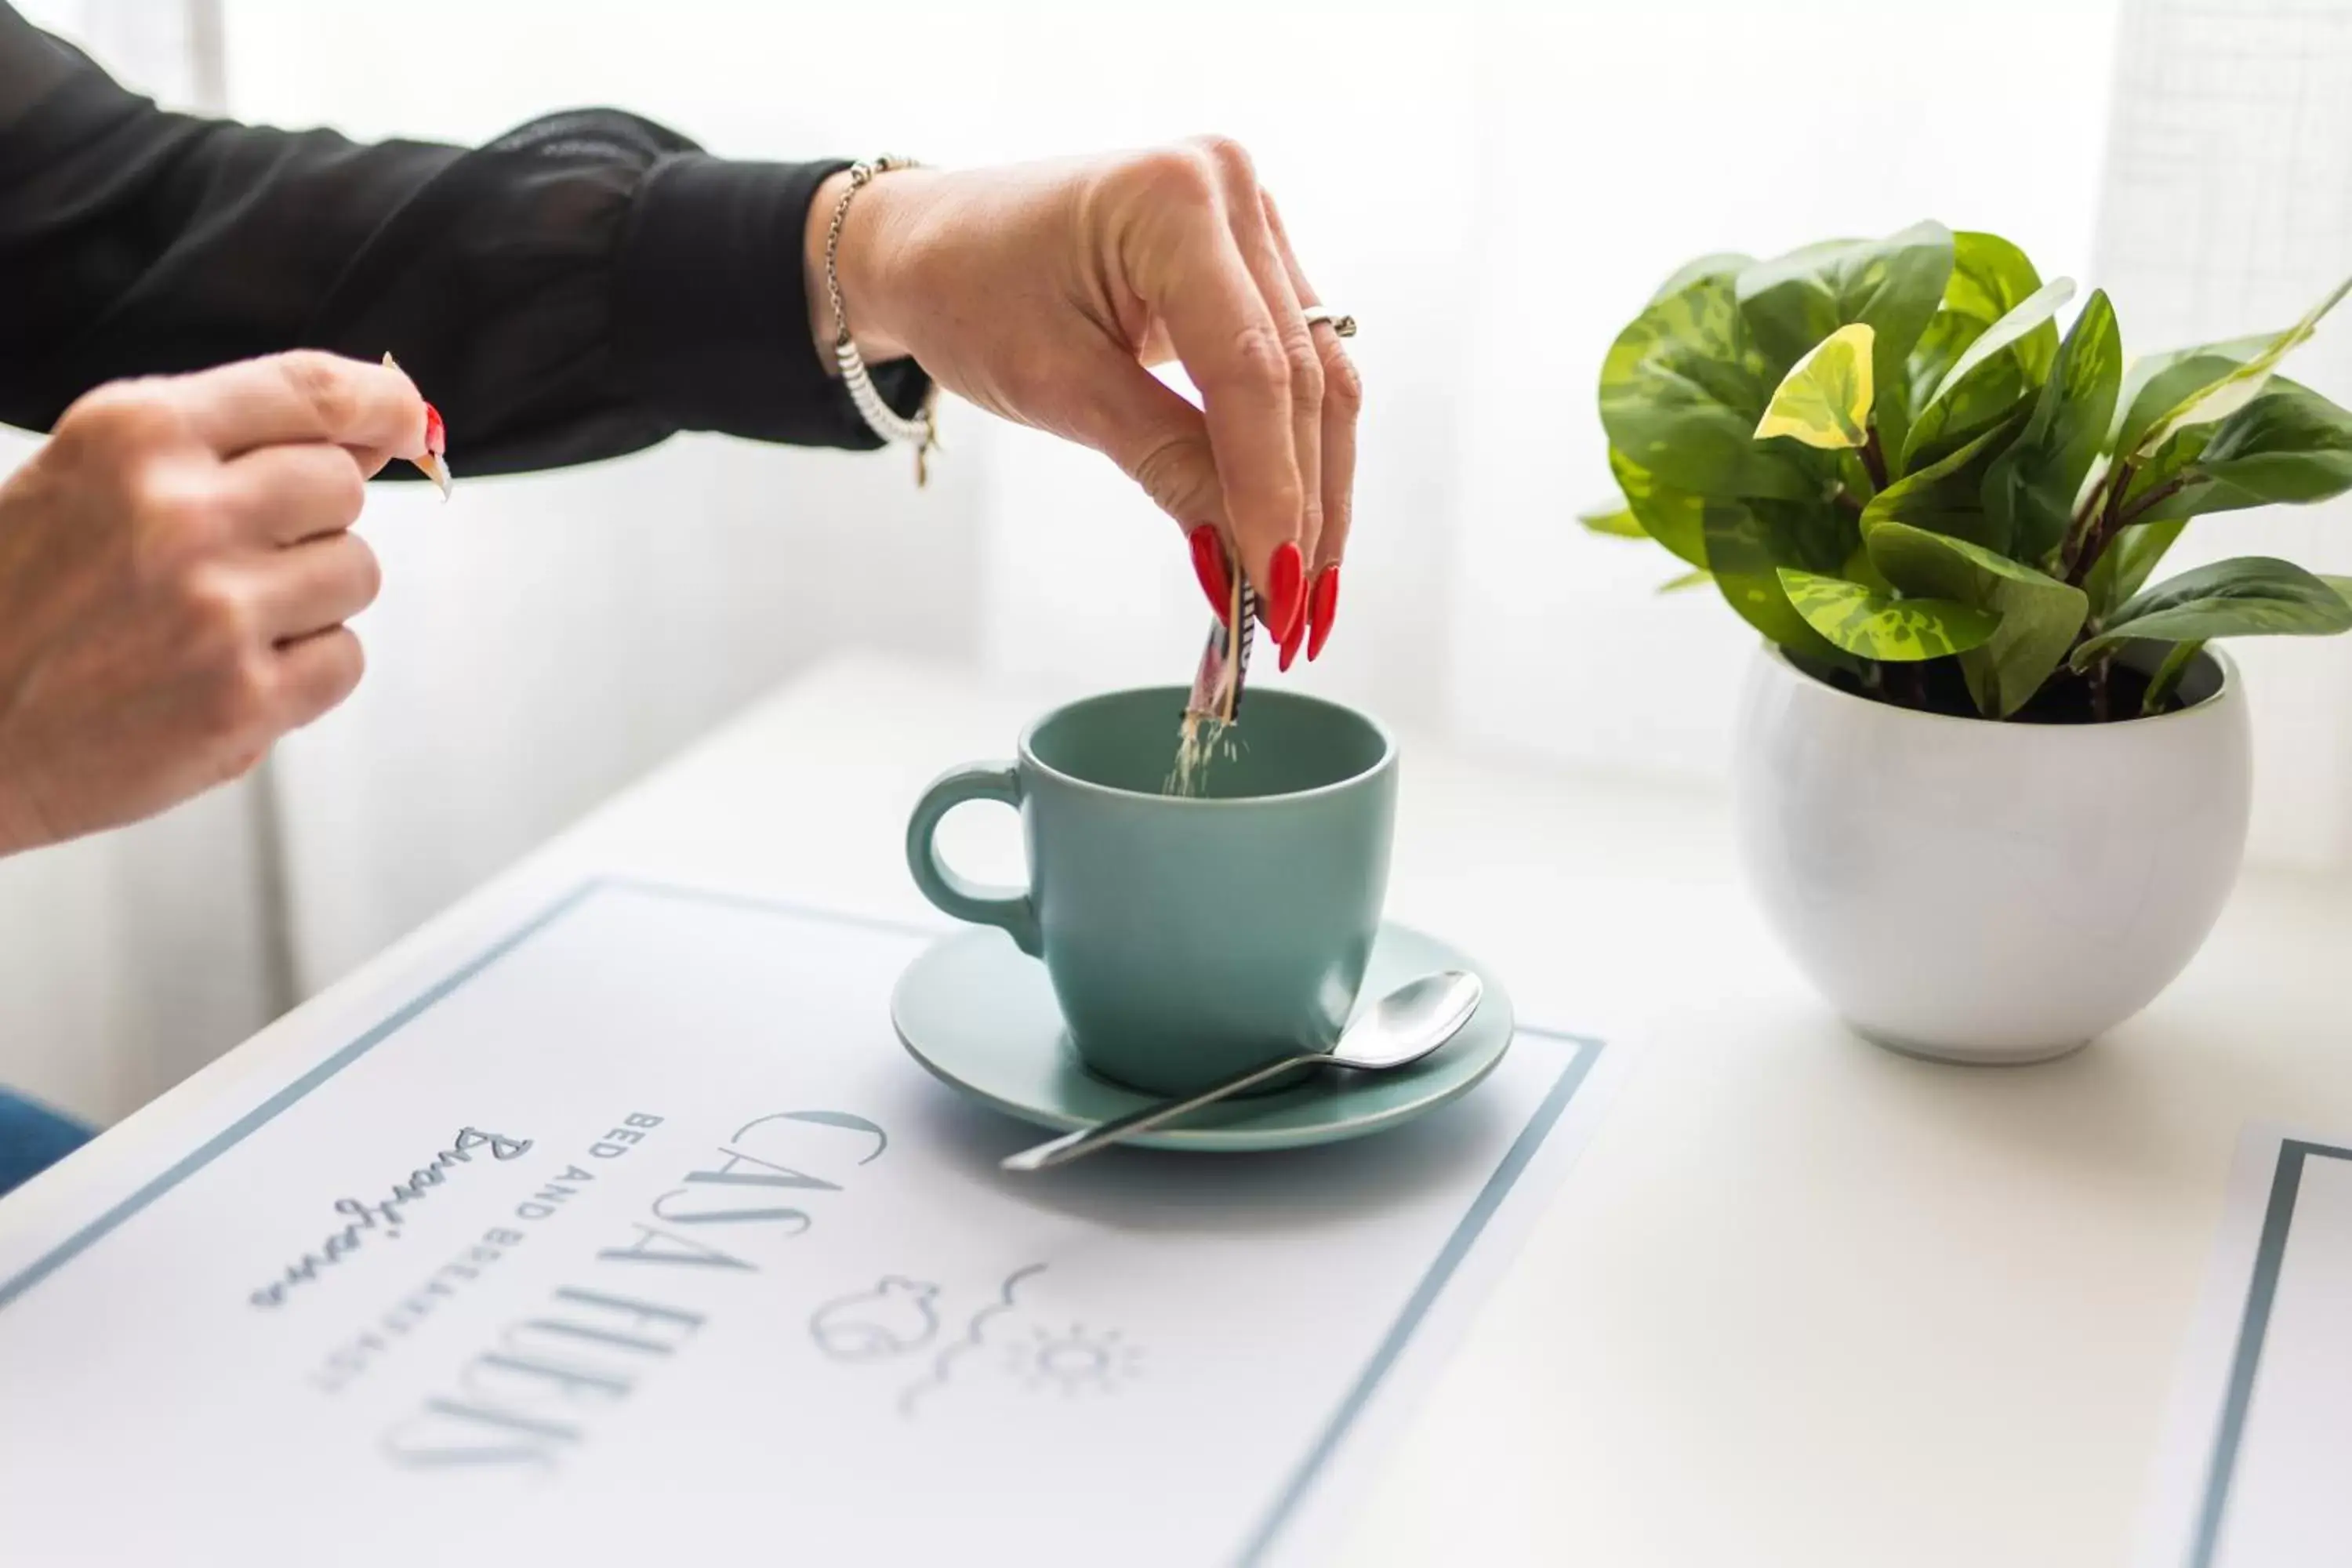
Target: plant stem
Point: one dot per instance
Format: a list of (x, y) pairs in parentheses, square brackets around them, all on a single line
[(2170, 487), (1874, 459), (2078, 530), (2101, 533)]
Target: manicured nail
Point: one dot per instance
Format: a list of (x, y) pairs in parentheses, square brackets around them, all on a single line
[(1286, 590), (1209, 567), (436, 438), (1291, 643), (1322, 608)]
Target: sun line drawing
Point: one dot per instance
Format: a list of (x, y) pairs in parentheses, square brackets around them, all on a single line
[(1075, 1362)]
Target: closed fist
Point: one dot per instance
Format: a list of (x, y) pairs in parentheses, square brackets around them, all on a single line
[(175, 570)]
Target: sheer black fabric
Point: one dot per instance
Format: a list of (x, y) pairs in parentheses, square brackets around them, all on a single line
[(580, 288)]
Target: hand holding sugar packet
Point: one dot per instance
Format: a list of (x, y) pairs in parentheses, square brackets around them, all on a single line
[(434, 465)]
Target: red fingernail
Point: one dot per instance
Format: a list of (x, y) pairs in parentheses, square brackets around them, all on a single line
[(1291, 643), (1209, 567), (437, 439), (1286, 590), (1322, 608)]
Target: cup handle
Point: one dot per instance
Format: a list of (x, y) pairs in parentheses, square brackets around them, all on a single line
[(1011, 908)]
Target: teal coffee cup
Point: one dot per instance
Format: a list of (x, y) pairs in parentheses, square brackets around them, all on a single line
[(1187, 938)]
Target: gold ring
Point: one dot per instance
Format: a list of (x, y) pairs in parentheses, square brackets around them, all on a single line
[(1323, 316)]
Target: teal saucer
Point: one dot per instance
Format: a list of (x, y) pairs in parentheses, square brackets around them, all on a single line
[(980, 1015)]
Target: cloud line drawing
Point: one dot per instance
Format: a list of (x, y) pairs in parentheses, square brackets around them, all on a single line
[(973, 1333)]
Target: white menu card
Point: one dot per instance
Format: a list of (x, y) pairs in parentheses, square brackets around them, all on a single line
[(2252, 1472), (639, 1238)]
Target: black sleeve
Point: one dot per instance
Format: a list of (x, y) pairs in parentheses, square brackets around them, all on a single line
[(580, 288)]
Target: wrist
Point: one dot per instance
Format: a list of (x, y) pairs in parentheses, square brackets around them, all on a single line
[(872, 235)]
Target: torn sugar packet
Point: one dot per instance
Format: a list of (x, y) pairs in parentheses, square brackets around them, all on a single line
[(434, 465), (1224, 660)]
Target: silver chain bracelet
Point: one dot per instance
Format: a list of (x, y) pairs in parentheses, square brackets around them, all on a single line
[(921, 432)]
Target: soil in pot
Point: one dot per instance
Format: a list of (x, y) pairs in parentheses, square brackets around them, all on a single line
[(1937, 686)]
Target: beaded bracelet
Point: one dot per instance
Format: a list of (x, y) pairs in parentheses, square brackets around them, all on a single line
[(921, 432)]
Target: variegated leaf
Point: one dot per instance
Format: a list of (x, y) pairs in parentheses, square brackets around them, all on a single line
[(1681, 391), (2030, 489), (1676, 519), (2040, 615), (1892, 285), (2236, 386), (1870, 625), (1990, 378), (1824, 400)]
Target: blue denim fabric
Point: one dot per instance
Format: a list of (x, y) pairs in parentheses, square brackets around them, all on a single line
[(33, 1138)]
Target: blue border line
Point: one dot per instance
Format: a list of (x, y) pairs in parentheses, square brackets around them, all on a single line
[(2253, 1327), (1449, 1259), (1432, 1284)]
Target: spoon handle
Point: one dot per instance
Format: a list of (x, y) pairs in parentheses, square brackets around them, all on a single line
[(1076, 1145)]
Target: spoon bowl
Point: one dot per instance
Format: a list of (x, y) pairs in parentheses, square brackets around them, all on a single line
[(1397, 1031)]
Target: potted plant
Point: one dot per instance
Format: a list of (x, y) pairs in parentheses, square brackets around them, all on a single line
[(1992, 782)]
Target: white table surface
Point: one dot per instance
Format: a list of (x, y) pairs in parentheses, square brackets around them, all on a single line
[(1802, 1302)]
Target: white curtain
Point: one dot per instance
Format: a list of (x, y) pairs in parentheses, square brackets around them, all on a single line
[(1492, 189), (2227, 209)]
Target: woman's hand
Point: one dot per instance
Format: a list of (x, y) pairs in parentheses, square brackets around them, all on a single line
[(1041, 292), (174, 576)]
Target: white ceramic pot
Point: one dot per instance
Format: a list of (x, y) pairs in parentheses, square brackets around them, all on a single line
[(1988, 892)]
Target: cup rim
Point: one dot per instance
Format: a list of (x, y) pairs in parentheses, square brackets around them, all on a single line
[(1030, 759)]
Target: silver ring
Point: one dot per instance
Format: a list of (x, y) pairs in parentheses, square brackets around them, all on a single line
[(1325, 316)]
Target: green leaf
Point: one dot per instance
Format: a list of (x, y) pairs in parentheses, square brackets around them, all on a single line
[(2288, 445), (1681, 391), (1676, 519), (2235, 388), (1990, 277), (1870, 625), (2252, 596), (1687, 580), (1617, 524), (1991, 377), (2126, 564), (2157, 381), (2167, 675), (2038, 614), (2030, 489), (1824, 400), (1716, 263), (1890, 285), (1948, 496), (1739, 550)]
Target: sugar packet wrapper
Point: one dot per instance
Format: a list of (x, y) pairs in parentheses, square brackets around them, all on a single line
[(1225, 661), (1215, 703)]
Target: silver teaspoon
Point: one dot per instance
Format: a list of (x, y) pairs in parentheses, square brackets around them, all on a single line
[(1398, 1030)]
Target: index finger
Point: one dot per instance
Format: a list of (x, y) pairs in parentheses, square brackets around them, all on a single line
[(1223, 332), (304, 397)]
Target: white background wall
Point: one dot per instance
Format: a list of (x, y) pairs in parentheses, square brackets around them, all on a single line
[(1493, 189)]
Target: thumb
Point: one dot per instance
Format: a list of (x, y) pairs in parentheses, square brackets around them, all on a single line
[(302, 397)]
